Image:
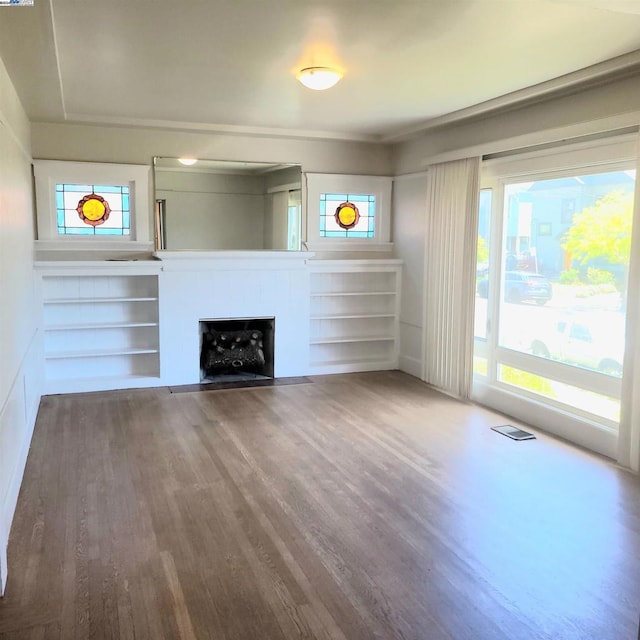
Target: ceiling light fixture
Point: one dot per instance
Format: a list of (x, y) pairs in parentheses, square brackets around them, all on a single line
[(187, 162), (319, 78)]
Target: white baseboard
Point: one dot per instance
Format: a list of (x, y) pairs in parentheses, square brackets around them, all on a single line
[(580, 431), (410, 365), (352, 367), (17, 420)]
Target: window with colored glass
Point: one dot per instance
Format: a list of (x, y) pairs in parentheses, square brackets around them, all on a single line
[(347, 215), (93, 210)]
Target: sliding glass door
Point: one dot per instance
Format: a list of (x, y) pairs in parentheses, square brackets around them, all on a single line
[(551, 291)]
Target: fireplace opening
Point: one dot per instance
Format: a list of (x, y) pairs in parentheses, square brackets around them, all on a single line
[(236, 349)]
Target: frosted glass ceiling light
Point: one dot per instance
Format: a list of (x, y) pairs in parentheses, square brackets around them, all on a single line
[(319, 78), (187, 162)]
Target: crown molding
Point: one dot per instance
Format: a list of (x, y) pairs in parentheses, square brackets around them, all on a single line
[(56, 51), (601, 73), (623, 124), (224, 129), (4, 123), (7, 125)]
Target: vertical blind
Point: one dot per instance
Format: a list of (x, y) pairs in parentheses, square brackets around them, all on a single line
[(450, 269)]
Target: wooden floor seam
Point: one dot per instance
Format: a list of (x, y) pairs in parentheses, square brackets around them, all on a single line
[(362, 506)]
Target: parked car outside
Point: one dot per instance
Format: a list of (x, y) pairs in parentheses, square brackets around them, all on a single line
[(521, 286), (590, 341)]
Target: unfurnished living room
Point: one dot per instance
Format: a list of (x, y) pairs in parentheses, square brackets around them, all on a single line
[(319, 319)]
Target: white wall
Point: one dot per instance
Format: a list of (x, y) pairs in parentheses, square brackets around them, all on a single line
[(287, 176), (20, 363), (408, 229), (598, 108), (276, 221), (610, 105), (91, 143), (138, 146)]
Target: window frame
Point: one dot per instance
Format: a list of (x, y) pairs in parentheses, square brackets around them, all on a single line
[(49, 173), (594, 432), (378, 186)]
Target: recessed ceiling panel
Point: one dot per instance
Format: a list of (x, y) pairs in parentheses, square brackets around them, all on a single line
[(230, 63)]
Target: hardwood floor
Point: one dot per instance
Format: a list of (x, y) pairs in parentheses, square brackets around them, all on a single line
[(360, 506)]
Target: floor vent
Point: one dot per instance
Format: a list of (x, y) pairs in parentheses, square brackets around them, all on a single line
[(513, 432)]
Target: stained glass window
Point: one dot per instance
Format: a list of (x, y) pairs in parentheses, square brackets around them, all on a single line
[(93, 210), (347, 215)]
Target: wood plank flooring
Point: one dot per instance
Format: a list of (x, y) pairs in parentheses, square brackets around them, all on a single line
[(358, 507)]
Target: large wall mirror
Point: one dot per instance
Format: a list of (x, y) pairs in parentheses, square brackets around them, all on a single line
[(215, 205)]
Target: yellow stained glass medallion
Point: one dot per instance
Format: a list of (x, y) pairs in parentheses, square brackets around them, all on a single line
[(347, 215), (93, 210)]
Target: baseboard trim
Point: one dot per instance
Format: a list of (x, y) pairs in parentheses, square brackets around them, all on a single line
[(10, 504), (560, 423), (19, 412), (410, 365)]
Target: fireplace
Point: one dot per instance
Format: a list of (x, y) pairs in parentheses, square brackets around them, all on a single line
[(236, 349)]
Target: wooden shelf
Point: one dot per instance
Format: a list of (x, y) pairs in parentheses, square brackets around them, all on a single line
[(351, 365), (332, 294), (366, 291), (100, 383), (99, 316), (99, 353), (339, 339), (100, 325), (348, 316), (338, 361), (96, 300)]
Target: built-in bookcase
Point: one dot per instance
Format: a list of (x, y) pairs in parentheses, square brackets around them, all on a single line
[(355, 306), (100, 330)]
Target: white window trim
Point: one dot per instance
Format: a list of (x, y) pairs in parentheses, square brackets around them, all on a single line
[(562, 161), (591, 431), (379, 186), (48, 173)]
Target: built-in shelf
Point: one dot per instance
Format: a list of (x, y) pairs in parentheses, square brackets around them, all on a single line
[(350, 365), (98, 353), (96, 300), (335, 340), (354, 317), (353, 293), (100, 327), (100, 383)]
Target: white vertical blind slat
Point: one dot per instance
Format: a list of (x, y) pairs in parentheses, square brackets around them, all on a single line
[(451, 231)]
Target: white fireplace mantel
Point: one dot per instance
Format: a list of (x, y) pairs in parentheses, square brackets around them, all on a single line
[(198, 285), (188, 260)]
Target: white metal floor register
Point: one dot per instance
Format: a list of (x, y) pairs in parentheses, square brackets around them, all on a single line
[(513, 432)]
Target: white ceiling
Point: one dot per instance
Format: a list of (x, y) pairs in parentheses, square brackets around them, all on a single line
[(231, 64)]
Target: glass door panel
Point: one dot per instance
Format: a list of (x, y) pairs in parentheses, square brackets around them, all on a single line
[(560, 312), (480, 352)]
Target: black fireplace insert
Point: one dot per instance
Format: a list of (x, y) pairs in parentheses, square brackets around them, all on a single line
[(236, 347)]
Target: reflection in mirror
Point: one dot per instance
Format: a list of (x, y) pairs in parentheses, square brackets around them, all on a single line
[(215, 205)]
